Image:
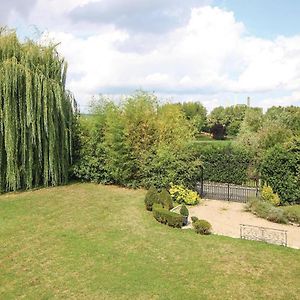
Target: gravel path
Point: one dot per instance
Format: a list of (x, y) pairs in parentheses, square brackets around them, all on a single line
[(226, 218)]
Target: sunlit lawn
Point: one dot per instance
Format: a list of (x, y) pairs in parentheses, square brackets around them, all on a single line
[(86, 241)]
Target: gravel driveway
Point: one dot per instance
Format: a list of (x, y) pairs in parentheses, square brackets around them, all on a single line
[(226, 218)]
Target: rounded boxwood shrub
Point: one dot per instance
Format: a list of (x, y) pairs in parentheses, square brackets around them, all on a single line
[(194, 219), (151, 198), (165, 199), (165, 216), (202, 227), (184, 211)]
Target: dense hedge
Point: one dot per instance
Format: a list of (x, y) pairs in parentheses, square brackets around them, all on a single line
[(226, 163), (165, 216), (136, 144), (280, 169)]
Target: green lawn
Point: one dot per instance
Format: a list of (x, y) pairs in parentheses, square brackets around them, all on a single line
[(86, 241), (207, 140)]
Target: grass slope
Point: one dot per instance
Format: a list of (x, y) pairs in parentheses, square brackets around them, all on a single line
[(86, 241)]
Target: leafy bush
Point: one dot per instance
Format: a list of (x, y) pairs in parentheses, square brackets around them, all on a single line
[(202, 227), (277, 215), (165, 199), (184, 211), (136, 144), (194, 219), (280, 169), (267, 211), (167, 165), (165, 216), (269, 196), (292, 213), (151, 198), (182, 195)]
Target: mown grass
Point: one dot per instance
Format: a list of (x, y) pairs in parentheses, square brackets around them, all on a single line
[(208, 140), (86, 241)]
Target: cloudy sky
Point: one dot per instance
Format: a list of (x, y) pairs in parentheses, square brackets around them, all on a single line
[(215, 51)]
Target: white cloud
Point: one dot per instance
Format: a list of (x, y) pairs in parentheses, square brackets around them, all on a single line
[(210, 56), (292, 99)]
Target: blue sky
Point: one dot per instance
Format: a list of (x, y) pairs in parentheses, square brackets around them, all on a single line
[(266, 18), (218, 52)]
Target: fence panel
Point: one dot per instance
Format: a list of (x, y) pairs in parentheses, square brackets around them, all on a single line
[(263, 234), (226, 191)]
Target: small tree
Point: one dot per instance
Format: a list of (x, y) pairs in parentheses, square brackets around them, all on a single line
[(218, 131)]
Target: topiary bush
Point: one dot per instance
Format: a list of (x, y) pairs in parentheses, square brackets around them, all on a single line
[(269, 196), (180, 194), (165, 216), (165, 199), (202, 227), (184, 211), (194, 219), (151, 198)]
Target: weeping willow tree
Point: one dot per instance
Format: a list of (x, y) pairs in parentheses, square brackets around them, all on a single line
[(37, 115)]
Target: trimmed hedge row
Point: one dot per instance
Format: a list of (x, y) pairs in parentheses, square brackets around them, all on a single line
[(224, 163), (165, 216)]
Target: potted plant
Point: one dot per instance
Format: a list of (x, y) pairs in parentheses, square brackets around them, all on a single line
[(185, 213)]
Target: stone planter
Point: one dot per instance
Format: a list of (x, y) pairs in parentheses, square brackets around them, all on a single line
[(185, 220)]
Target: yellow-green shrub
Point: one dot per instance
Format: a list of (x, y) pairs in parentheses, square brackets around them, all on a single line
[(182, 195), (269, 196)]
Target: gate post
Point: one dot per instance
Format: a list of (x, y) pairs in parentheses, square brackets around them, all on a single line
[(228, 192), (201, 190), (257, 187)]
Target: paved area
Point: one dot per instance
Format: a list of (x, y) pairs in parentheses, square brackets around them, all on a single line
[(226, 218)]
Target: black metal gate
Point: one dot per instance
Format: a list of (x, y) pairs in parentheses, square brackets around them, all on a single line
[(226, 191)]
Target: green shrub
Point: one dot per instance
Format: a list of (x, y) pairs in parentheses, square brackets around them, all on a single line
[(202, 227), (151, 198), (292, 213), (194, 219), (165, 199), (267, 211), (184, 211), (269, 196), (277, 215), (165, 216), (280, 169), (136, 143), (182, 195)]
